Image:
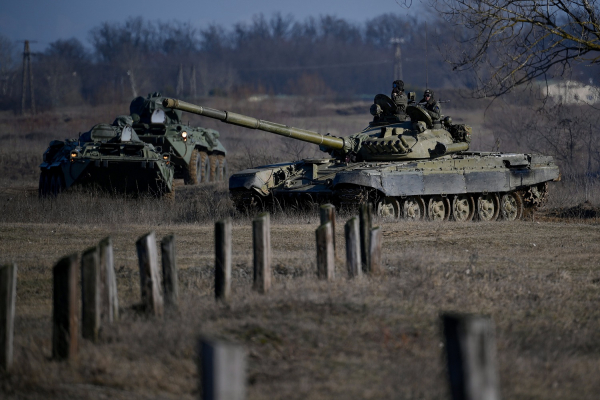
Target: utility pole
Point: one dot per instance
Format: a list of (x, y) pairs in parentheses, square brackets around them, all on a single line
[(179, 89), (27, 76), (194, 93), (397, 58)]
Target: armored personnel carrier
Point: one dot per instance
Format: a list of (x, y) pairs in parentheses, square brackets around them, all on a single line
[(196, 153), (407, 165), (110, 157)]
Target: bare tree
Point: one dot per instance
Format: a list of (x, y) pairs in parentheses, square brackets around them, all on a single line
[(513, 42)]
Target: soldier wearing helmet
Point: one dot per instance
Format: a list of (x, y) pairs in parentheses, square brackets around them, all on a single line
[(431, 105), (398, 97)]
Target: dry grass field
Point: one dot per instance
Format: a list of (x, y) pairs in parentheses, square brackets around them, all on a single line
[(370, 338)]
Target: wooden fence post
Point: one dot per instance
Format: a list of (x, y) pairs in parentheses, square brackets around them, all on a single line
[(325, 254), (352, 234), (65, 309), (365, 216), (90, 294), (375, 245), (223, 260), (471, 353), (170, 276), (261, 240), (152, 297), (8, 298), (223, 375), (327, 212), (108, 279)]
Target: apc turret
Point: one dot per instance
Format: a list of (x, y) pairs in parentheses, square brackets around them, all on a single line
[(406, 165)]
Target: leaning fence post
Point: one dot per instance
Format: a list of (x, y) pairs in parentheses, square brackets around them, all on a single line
[(352, 234), (261, 240), (471, 353), (65, 309), (375, 244), (325, 254), (90, 294), (152, 297), (8, 297), (223, 375), (327, 212), (223, 259), (110, 299), (366, 211), (169, 267)]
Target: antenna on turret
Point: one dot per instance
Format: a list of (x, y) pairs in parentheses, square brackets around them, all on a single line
[(426, 60)]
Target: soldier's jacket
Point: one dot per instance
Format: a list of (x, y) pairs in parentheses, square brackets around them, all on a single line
[(433, 108), (401, 102)]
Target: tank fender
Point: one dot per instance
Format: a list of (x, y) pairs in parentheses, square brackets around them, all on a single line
[(371, 179), (263, 178)]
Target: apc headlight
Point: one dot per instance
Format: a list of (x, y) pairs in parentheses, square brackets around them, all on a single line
[(74, 154), (184, 135)]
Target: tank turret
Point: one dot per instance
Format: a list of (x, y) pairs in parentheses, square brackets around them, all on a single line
[(385, 139)]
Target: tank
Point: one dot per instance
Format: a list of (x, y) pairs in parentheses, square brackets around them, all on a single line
[(110, 157), (196, 153), (407, 165)]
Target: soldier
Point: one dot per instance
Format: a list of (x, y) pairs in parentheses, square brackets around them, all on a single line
[(431, 105), (398, 97)]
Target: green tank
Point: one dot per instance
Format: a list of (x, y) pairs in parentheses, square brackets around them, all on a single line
[(196, 153), (110, 157), (406, 165)]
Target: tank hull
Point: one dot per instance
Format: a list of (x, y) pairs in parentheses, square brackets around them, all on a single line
[(468, 175)]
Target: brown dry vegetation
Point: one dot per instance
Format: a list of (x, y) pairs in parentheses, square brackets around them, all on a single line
[(375, 337)]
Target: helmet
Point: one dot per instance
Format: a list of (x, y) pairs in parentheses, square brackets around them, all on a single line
[(398, 84), (428, 92)]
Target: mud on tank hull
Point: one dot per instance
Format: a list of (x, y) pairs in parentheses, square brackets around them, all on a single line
[(459, 186)]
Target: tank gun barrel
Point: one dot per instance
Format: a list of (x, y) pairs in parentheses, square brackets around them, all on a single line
[(229, 117)]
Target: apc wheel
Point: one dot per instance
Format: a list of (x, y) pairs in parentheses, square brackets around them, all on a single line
[(192, 171), (221, 168), (413, 208), (439, 208), (56, 183), (388, 207), (488, 207), (213, 164), (44, 185), (511, 206), (463, 208)]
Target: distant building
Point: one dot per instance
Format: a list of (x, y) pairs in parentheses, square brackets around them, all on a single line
[(572, 92)]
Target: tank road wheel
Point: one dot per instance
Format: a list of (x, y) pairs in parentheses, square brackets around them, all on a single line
[(222, 168), (192, 172), (488, 207), (439, 208), (511, 206), (463, 208), (388, 207), (413, 208)]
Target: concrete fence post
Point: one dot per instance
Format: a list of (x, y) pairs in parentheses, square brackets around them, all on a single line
[(223, 370), (169, 269), (327, 213), (325, 253), (352, 234), (65, 322), (365, 217), (108, 280), (375, 245), (471, 356), (152, 295), (90, 294), (261, 241), (8, 298), (223, 260)]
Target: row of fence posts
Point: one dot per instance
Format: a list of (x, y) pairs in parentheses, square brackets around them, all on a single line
[(470, 343)]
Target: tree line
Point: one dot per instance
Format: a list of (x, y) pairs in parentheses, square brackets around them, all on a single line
[(322, 55)]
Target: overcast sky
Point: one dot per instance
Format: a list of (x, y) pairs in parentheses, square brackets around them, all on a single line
[(45, 21)]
